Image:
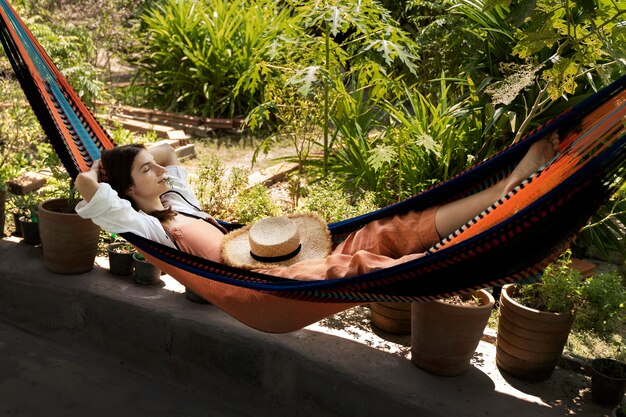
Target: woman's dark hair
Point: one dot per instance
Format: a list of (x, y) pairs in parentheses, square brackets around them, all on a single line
[(118, 164)]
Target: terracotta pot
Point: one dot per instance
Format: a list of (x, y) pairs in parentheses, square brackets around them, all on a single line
[(444, 336), (145, 272), (394, 318), (120, 263), (29, 231), (529, 342), (69, 242), (608, 380)]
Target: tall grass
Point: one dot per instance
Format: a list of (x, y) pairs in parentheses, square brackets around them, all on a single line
[(198, 50)]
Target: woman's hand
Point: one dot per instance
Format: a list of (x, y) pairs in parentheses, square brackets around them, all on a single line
[(87, 183), (100, 172)]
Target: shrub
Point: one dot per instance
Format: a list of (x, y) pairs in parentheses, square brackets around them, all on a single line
[(198, 50), (560, 289), (217, 191), (254, 204), (332, 203), (603, 304)]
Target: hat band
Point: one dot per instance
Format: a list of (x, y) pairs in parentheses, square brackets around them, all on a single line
[(276, 258)]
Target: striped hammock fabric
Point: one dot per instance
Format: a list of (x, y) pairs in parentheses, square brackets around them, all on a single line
[(512, 240)]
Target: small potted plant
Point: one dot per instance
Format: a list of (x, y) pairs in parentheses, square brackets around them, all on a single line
[(620, 410), (608, 380), (145, 272), (121, 257), (26, 217), (535, 321)]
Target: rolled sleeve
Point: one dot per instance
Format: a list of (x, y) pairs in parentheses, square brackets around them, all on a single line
[(116, 215)]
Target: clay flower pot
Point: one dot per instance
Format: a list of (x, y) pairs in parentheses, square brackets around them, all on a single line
[(529, 342), (394, 318), (145, 272), (608, 380), (69, 242), (444, 336), (121, 258), (29, 230)]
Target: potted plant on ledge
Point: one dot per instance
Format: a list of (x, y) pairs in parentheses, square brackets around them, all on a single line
[(69, 242), (535, 321), (120, 257), (145, 272), (26, 217), (608, 380)]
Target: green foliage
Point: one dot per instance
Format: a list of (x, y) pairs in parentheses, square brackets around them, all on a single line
[(71, 49), (122, 136), (329, 199), (296, 119), (444, 44), (588, 344), (537, 54), (428, 138), (560, 289), (19, 131), (25, 206), (60, 185), (254, 204), (217, 191), (198, 50), (227, 196), (342, 50), (604, 304)]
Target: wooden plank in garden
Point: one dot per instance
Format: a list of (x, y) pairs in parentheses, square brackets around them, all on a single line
[(182, 147), (139, 126), (185, 151), (272, 175), (26, 183), (177, 118)]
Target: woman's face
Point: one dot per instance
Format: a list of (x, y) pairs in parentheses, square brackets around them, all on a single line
[(148, 178)]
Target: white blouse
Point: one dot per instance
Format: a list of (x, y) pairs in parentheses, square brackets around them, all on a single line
[(116, 215)]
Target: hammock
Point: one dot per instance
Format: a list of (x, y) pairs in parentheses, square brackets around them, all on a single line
[(513, 240)]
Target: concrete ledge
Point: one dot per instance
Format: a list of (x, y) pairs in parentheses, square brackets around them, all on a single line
[(304, 373)]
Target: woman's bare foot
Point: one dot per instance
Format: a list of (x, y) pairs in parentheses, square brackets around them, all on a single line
[(537, 156)]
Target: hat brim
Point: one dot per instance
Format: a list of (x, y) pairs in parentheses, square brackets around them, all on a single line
[(314, 238)]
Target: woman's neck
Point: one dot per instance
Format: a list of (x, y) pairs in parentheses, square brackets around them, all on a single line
[(150, 206)]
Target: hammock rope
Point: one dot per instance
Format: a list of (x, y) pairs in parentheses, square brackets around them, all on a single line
[(514, 239)]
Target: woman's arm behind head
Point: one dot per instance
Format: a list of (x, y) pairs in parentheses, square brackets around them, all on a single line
[(87, 183)]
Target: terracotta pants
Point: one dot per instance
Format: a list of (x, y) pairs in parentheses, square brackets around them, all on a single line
[(380, 244)]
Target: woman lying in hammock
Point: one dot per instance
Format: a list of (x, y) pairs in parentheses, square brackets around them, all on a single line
[(146, 192)]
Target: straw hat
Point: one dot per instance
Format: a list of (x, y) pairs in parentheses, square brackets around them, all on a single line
[(277, 241)]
